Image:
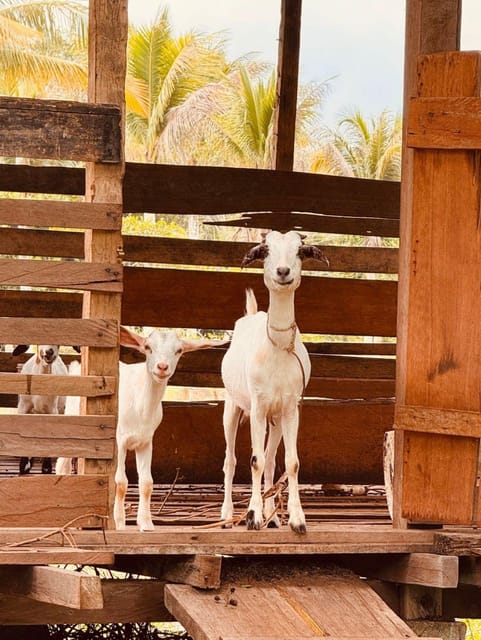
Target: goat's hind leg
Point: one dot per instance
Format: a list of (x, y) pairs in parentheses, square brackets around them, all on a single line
[(273, 440), (231, 419), (121, 484)]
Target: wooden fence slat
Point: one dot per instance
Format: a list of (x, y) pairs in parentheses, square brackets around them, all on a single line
[(443, 421), (444, 123), (53, 330), (57, 435), (59, 129), (62, 275), (51, 213), (57, 385), (52, 501)]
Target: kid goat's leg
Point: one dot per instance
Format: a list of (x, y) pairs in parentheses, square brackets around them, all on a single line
[(120, 487), (231, 419), (143, 458)]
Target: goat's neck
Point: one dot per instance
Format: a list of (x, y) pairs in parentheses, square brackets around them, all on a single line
[(281, 318), (153, 391)]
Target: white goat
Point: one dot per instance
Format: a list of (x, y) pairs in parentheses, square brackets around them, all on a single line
[(141, 389), (63, 466), (45, 360), (265, 372)]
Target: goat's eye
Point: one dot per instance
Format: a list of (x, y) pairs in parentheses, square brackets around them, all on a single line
[(148, 348), (178, 352)]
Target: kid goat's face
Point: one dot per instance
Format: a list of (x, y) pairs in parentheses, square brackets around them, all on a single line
[(162, 352), (282, 264)]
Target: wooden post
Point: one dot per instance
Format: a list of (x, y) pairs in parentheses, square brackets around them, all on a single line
[(108, 26), (431, 26)]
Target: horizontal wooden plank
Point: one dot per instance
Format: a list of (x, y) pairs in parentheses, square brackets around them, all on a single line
[(50, 500), (444, 123), (51, 329), (47, 180), (63, 587), (61, 130), (53, 555), (442, 421), (156, 297), (351, 452), (346, 225), (458, 543), (62, 275), (57, 435), (217, 190), (150, 249), (65, 214), (90, 386)]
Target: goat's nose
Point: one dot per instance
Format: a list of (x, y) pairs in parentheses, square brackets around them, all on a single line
[(283, 272), (162, 367), (49, 353)]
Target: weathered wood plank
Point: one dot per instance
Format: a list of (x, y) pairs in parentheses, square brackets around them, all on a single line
[(53, 585), (60, 130), (50, 500), (54, 555), (57, 435), (124, 601), (62, 275), (68, 215), (152, 249), (51, 329), (201, 571), (443, 421), (57, 385), (461, 544), (444, 123)]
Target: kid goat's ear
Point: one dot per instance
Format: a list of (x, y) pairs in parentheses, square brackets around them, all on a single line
[(131, 339), (19, 349)]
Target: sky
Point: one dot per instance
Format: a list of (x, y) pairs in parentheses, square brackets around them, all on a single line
[(355, 44)]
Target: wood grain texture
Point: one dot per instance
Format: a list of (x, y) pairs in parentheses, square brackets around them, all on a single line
[(58, 330), (442, 421), (20, 556), (57, 385), (57, 435), (60, 130), (53, 501), (68, 215)]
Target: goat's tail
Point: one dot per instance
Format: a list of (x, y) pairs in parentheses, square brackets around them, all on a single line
[(251, 303)]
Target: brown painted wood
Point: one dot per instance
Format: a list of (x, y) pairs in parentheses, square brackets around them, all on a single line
[(444, 123), (50, 500), (51, 180), (49, 330), (440, 361), (191, 438), (57, 435), (57, 385), (51, 213), (125, 601), (442, 421), (61, 275), (147, 249), (287, 81), (59, 130), (62, 587)]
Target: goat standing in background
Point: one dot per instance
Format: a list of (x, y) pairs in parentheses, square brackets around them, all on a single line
[(141, 389), (265, 372), (46, 360)]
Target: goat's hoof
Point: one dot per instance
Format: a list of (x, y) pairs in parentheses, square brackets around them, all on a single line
[(147, 527), (251, 522), (272, 524), (300, 529)]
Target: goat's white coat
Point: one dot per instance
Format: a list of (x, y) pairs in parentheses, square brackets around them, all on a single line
[(265, 380), (63, 466), (141, 389)]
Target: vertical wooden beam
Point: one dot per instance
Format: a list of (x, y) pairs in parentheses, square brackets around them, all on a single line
[(108, 28), (287, 81), (431, 25)]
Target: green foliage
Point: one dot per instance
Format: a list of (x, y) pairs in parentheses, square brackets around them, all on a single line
[(473, 629), (138, 225)]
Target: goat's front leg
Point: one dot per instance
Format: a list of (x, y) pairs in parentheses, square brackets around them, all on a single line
[(273, 440), (121, 484), (290, 424), (258, 436), (231, 423), (143, 458)]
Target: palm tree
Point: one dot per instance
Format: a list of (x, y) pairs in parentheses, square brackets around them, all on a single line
[(43, 48), (361, 148), (162, 72)]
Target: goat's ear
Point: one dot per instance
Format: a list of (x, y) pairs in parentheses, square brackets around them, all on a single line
[(19, 349), (195, 345), (77, 349), (312, 251), (259, 252), (131, 339)]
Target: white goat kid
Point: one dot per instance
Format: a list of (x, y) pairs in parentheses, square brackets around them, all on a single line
[(141, 389), (64, 466), (265, 372), (46, 360)]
